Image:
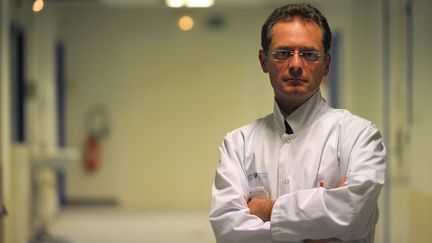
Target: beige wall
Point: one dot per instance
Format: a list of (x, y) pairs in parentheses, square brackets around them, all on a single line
[(17, 158), (422, 127), (5, 190), (171, 96), (410, 163), (420, 161)]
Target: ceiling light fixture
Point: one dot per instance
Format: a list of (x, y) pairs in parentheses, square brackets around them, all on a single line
[(189, 3), (186, 23), (38, 5)]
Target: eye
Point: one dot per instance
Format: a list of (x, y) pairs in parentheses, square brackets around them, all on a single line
[(311, 56), (281, 55)]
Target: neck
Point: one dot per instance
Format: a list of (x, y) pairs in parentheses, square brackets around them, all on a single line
[(289, 105)]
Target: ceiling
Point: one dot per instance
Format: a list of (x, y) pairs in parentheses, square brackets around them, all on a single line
[(219, 3), (160, 3)]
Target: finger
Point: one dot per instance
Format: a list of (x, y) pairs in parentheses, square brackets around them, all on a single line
[(342, 182)]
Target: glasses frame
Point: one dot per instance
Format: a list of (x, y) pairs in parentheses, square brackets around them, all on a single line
[(292, 53)]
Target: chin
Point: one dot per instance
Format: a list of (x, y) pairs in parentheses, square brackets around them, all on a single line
[(296, 91)]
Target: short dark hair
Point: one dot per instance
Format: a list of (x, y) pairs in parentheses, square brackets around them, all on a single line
[(289, 12)]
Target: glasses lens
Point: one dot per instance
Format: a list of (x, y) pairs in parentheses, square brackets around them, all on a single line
[(310, 56), (281, 55)]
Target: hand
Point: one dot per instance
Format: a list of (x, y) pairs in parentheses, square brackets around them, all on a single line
[(262, 208), (342, 182)]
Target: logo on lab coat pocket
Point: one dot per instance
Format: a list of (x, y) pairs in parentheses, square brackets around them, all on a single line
[(257, 175)]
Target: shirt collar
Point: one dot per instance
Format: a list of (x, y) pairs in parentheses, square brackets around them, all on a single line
[(303, 116)]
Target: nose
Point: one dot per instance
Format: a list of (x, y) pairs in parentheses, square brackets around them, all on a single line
[(295, 66)]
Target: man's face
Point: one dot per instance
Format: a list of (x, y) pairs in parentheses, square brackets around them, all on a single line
[(296, 78)]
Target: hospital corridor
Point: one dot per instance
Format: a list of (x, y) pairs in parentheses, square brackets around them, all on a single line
[(112, 111)]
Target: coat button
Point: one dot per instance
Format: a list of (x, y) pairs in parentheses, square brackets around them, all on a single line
[(286, 181)]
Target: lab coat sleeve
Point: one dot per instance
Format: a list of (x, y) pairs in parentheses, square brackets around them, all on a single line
[(346, 213), (229, 216)]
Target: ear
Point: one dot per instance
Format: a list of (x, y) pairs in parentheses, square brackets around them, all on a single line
[(327, 60), (263, 60)]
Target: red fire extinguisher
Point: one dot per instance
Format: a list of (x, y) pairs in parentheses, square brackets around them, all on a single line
[(92, 154), (97, 123)]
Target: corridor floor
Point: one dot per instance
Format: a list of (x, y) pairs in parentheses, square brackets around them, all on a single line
[(107, 225)]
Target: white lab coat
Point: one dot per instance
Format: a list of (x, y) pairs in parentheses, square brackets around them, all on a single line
[(260, 159)]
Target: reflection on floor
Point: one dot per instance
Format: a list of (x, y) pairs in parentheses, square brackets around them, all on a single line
[(107, 225)]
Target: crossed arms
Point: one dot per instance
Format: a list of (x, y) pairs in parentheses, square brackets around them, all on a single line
[(262, 208)]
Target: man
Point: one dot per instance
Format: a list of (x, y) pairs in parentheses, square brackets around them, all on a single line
[(307, 172)]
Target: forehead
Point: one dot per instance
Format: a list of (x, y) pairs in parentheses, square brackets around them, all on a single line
[(296, 33)]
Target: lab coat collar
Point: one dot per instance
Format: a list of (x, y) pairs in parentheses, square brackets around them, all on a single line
[(303, 116)]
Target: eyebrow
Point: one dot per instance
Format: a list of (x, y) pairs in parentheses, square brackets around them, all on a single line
[(305, 48)]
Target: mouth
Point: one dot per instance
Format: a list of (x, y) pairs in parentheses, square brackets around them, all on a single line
[(295, 81)]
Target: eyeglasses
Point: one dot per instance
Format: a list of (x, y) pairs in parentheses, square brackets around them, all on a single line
[(283, 55)]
